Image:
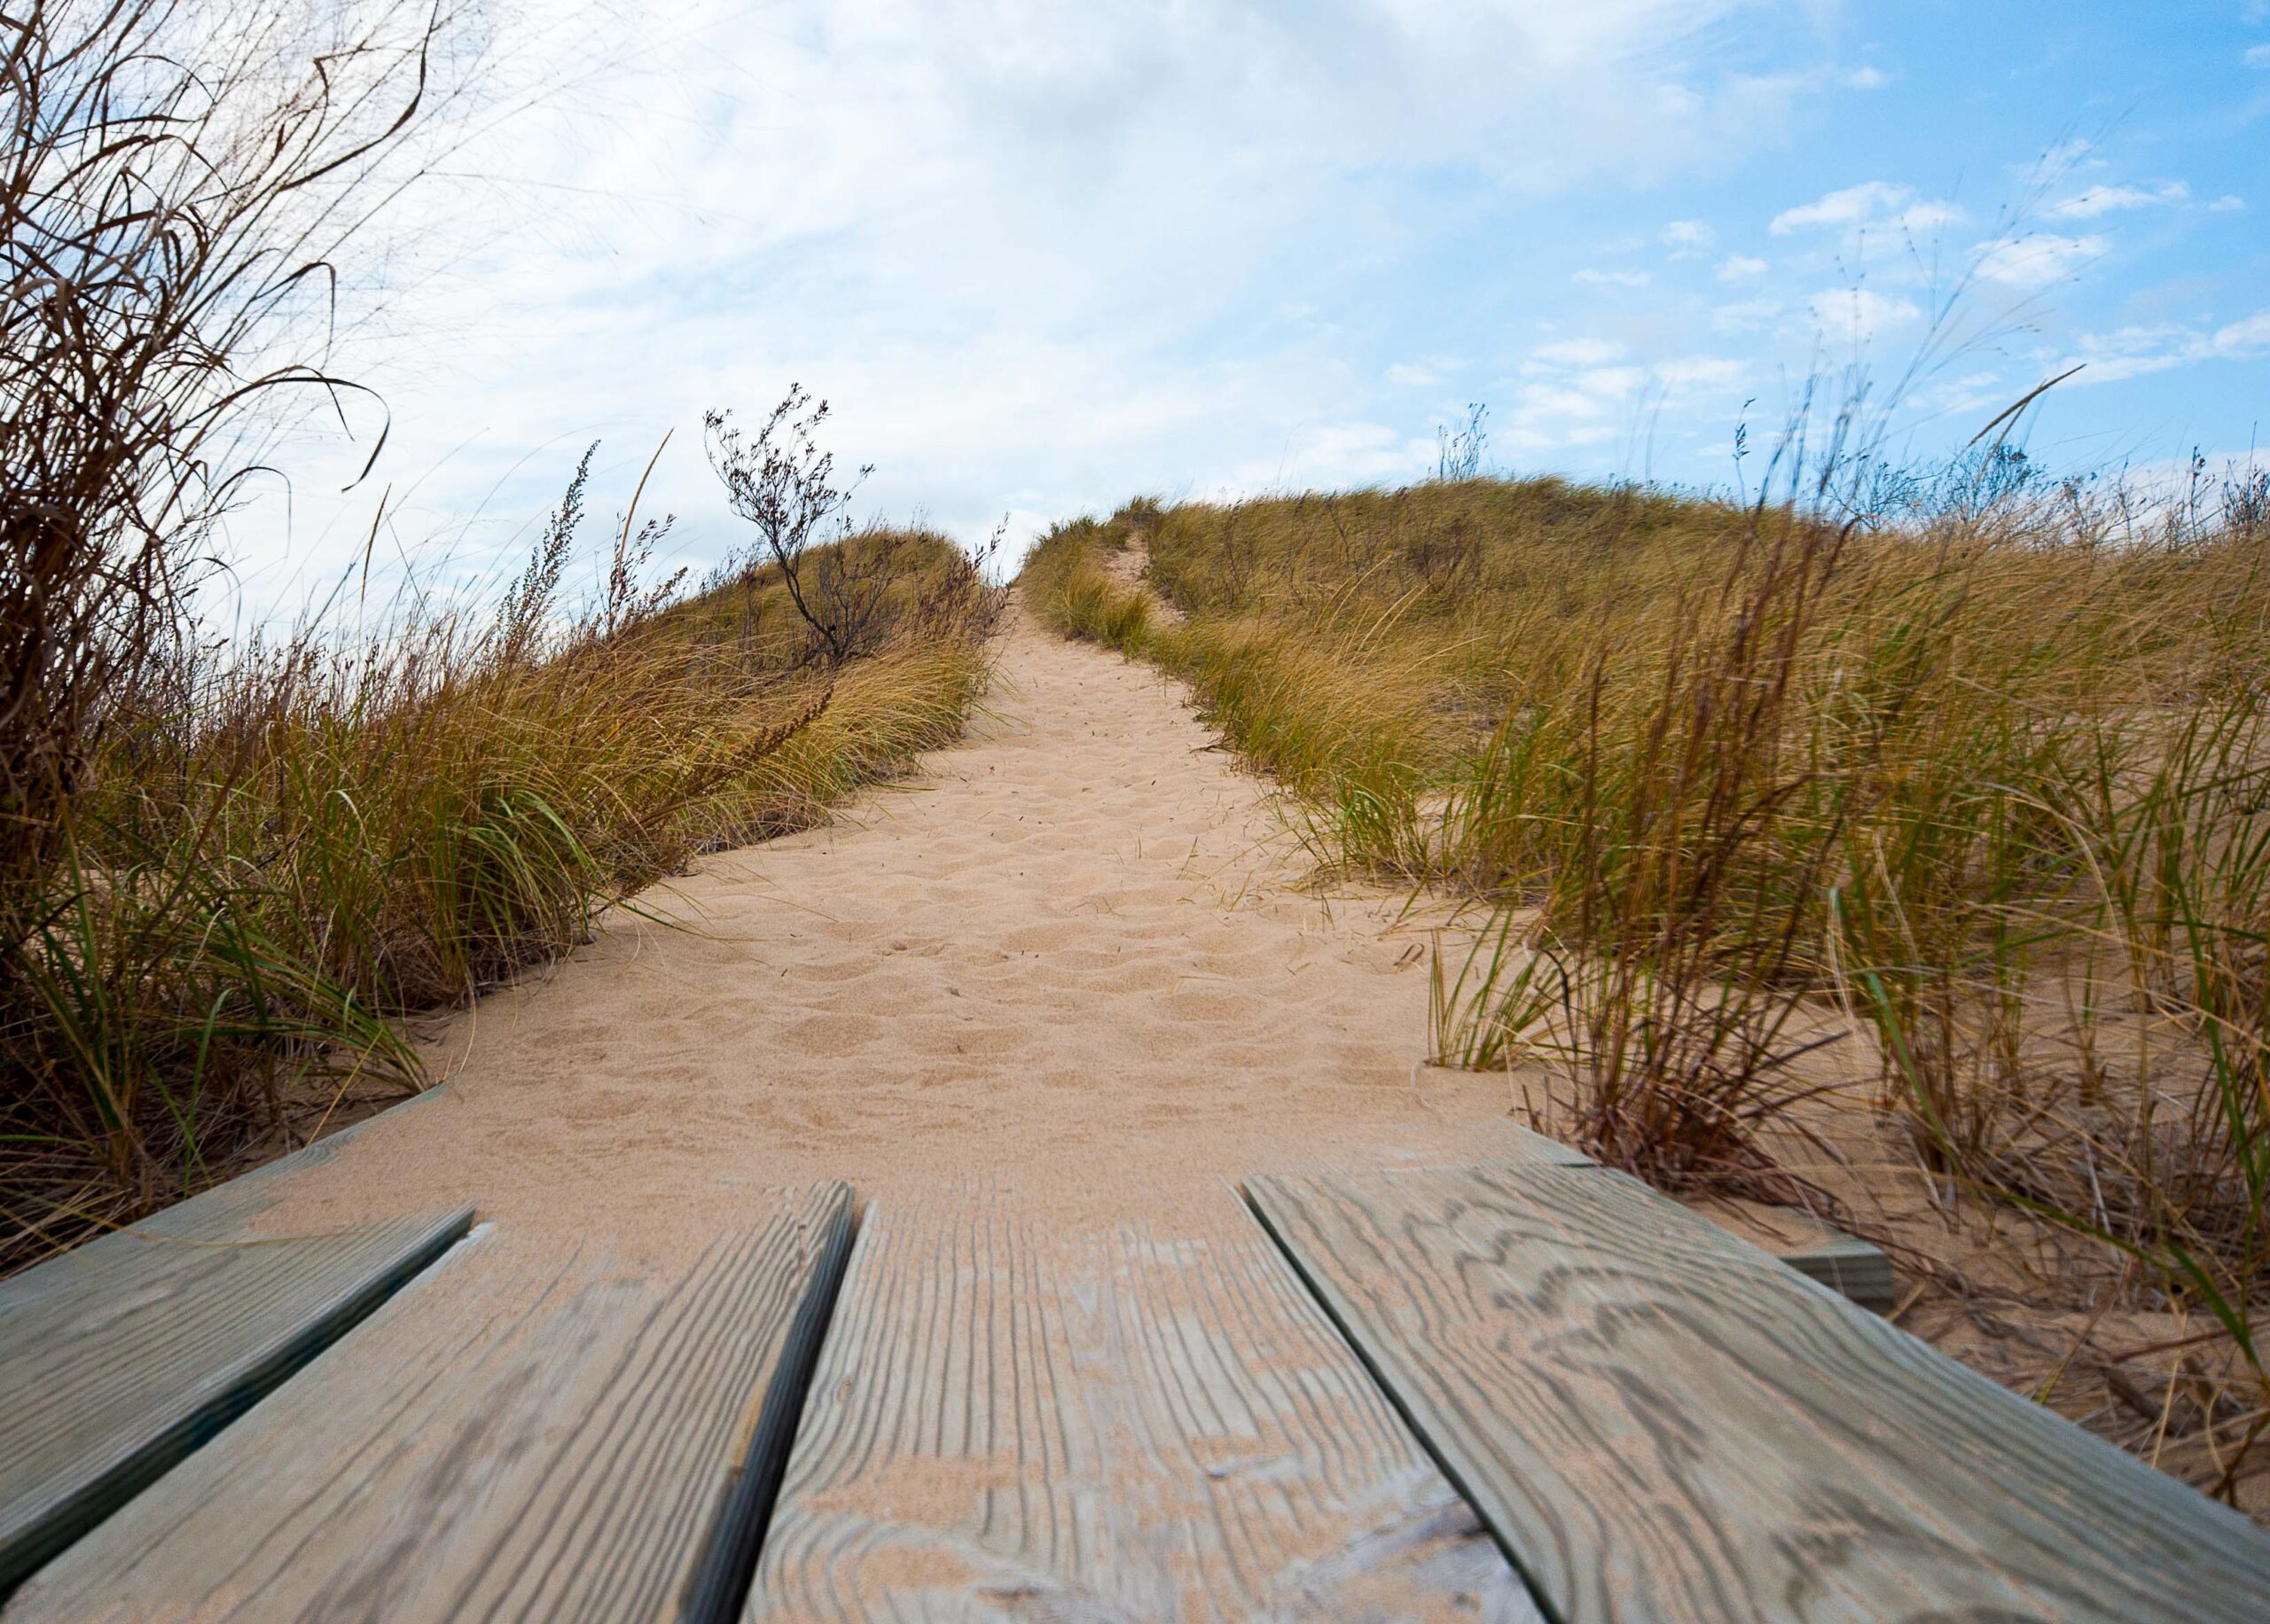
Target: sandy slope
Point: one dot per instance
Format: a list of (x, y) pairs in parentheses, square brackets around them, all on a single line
[(1070, 959), (1067, 963)]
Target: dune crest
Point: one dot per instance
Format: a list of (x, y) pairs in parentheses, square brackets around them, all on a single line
[(1072, 958)]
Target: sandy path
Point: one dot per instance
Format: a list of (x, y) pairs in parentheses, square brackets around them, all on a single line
[(1070, 959), (1068, 964)]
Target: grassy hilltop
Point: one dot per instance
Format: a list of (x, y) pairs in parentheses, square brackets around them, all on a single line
[(276, 858), (1963, 806)]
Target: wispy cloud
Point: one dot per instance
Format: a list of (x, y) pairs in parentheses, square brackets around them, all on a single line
[(2061, 159), (1739, 268), (1746, 315), (2246, 337), (1611, 278), (1586, 390), (2137, 350), (2096, 200), (2037, 260), (1578, 352), (1861, 313), (1972, 392), (1870, 203), (1331, 453)]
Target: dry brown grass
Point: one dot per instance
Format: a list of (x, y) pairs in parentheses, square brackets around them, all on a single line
[(1955, 814), (227, 871), (274, 859)]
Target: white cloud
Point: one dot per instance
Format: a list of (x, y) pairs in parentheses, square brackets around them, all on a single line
[(1746, 315), (1610, 383), (1407, 377), (1537, 402), (1611, 278), (1336, 453), (1687, 234), (1847, 207), (1581, 352), (2057, 165), (1865, 78), (1870, 203), (2228, 204), (1973, 392), (2242, 338), (2096, 200), (1686, 375), (2132, 352), (1585, 391), (2137, 350), (1861, 313), (899, 201), (2256, 56), (1739, 268), (2037, 260)]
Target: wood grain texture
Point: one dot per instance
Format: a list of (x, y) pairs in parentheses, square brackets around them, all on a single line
[(1510, 1142), (1529, 1146), (119, 1358), (527, 1431), (1009, 1423), (1660, 1421), (1844, 1263)]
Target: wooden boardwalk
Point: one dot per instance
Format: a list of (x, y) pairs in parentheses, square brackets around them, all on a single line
[(121, 1358), (1011, 1425), (1661, 1422), (1522, 1392), (515, 1435)]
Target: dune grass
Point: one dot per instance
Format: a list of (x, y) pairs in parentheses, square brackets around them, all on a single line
[(281, 852), (230, 868), (1964, 790)]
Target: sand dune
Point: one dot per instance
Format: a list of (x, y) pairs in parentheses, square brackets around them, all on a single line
[(1072, 959)]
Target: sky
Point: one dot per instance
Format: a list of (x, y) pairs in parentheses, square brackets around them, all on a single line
[(1042, 258)]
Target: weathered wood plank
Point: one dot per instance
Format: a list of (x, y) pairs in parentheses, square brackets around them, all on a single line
[(1508, 1143), (119, 1358), (522, 1433), (1660, 1421), (1844, 1263), (1009, 1423)]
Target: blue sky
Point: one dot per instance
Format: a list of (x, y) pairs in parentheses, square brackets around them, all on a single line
[(1045, 257)]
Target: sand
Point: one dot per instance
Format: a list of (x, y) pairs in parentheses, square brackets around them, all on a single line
[(1074, 958)]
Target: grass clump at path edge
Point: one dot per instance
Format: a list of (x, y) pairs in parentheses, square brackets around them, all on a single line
[(277, 855), (1949, 795)]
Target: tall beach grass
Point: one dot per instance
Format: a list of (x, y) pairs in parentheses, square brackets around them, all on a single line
[(1956, 784), (281, 851)]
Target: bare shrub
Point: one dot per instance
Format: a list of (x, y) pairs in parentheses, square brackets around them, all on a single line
[(784, 485), (228, 868)]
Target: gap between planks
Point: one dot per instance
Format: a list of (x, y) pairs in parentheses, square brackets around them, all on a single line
[(1659, 1421), (1153, 1422), (123, 1356), (518, 1432)]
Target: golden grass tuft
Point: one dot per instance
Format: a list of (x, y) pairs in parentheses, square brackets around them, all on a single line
[(1962, 798), (275, 858)]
